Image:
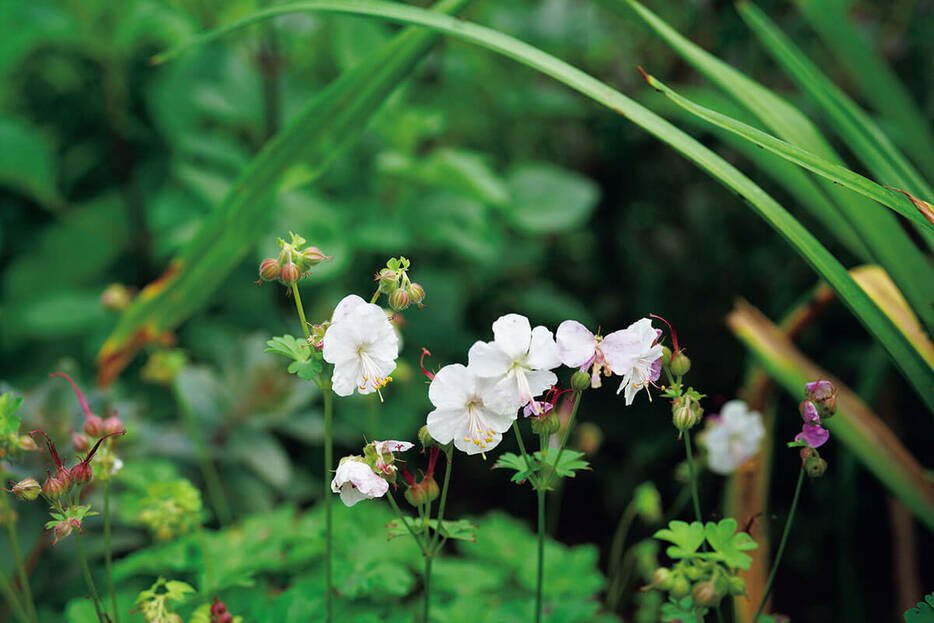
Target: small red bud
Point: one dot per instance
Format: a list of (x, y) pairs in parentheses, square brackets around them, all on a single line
[(80, 441), (218, 608), (290, 274), (417, 293), (113, 425), (82, 473), (399, 299), (269, 269), (93, 425), (54, 487), (314, 256), (225, 618)]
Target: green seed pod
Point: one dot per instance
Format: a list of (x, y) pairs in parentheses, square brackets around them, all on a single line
[(399, 299), (269, 269), (416, 293), (27, 490), (662, 579), (666, 356), (737, 585), (705, 593), (580, 381), (815, 466), (680, 364), (547, 423), (694, 573), (388, 280), (680, 587)]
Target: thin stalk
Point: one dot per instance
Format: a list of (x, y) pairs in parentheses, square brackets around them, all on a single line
[(212, 480), (444, 498), (7, 589), (301, 310), (781, 545), (427, 588), (328, 460), (567, 430), (7, 515), (205, 560), (108, 551), (541, 555), (694, 496), (616, 554), (398, 511), (525, 455), (86, 571)]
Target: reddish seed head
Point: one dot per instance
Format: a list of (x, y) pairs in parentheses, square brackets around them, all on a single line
[(225, 618), (93, 425), (113, 426), (290, 274), (82, 473), (269, 269), (218, 608), (80, 441), (54, 488)]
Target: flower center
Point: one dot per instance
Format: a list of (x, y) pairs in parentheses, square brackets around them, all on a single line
[(476, 434), (371, 375)]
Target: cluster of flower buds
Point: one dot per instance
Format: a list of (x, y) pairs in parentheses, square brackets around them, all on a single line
[(394, 282), (543, 415), (426, 490), (705, 582), (812, 463), (824, 396), (293, 263), (686, 411), (219, 612), (819, 404)]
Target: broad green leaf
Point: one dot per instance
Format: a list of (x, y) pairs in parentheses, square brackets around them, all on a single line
[(569, 461), (730, 544), (877, 82), (854, 424), (851, 123), (9, 420), (683, 611), (289, 346), (686, 537), (460, 530), (509, 460), (548, 199), (923, 612), (330, 122), (27, 162), (902, 352)]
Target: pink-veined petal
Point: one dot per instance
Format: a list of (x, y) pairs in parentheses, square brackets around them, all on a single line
[(576, 344), (543, 352), (488, 360)]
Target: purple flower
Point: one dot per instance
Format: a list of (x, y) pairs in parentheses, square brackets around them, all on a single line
[(812, 433), (824, 396)]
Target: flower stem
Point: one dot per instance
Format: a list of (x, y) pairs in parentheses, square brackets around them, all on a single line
[(427, 588), (444, 497), (690, 455), (616, 555), (781, 545), (567, 430), (7, 589), (525, 455), (108, 551), (86, 571), (541, 554), (6, 514), (328, 460), (408, 526), (301, 310), (206, 560)]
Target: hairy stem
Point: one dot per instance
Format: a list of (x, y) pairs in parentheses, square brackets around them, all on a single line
[(781, 545), (444, 497), (328, 460), (108, 551), (301, 310), (86, 571), (541, 555)]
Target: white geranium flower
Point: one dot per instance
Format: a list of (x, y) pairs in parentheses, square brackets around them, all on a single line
[(362, 345), (636, 357), (579, 348), (356, 481), (468, 410), (518, 360), (733, 437), (384, 463)]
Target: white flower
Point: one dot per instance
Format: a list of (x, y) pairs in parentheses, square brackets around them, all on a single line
[(356, 481), (362, 345), (468, 410), (733, 437), (384, 463), (636, 357), (518, 360), (579, 348)]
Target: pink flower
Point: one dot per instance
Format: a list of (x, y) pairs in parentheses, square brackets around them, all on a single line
[(812, 433)]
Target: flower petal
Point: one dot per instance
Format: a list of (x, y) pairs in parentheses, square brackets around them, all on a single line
[(347, 377), (446, 425), (347, 305), (576, 344), (452, 387), (540, 381), (512, 333), (487, 359), (621, 350), (543, 352)]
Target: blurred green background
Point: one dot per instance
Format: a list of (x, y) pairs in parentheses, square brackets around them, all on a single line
[(507, 191)]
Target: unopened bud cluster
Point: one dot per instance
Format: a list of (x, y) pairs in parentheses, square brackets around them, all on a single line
[(394, 282), (705, 582), (294, 261)]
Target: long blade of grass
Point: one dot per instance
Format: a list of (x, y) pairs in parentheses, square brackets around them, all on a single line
[(877, 83), (882, 233), (854, 424), (330, 122), (851, 123), (912, 272), (903, 353)]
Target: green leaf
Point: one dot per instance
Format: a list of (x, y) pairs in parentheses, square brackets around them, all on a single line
[(508, 460), (27, 161), (569, 462), (288, 346), (334, 119), (548, 199), (730, 544), (683, 611), (686, 537), (308, 370), (9, 420), (923, 612), (461, 529)]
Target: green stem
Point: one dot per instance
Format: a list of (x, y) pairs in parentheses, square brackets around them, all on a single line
[(427, 588), (7, 589), (408, 526), (328, 460), (301, 310), (108, 551), (212, 480), (444, 498), (86, 571), (616, 554), (781, 545), (694, 496), (541, 555), (567, 430), (206, 560), (525, 455), (7, 515), (375, 297)]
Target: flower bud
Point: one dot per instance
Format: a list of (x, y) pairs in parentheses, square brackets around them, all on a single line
[(415, 495), (680, 587), (815, 466), (225, 618), (431, 488), (116, 297), (824, 395), (25, 443), (269, 269), (312, 256), (399, 299), (113, 425), (388, 280), (82, 473), (737, 585), (666, 356), (416, 293), (546, 424), (694, 573), (54, 487), (425, 438), (80, 442), (705, 593), (580, 381), (685, 414), (662, 579), (680, 364), (94, 425), (218, 608), (289, 274), (27, 490), (61, 530)]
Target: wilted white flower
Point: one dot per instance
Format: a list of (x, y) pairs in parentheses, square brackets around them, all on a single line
[(362, 345), (356, 481), (518, 360), (636, 357), (733, 437), (469, 410)]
